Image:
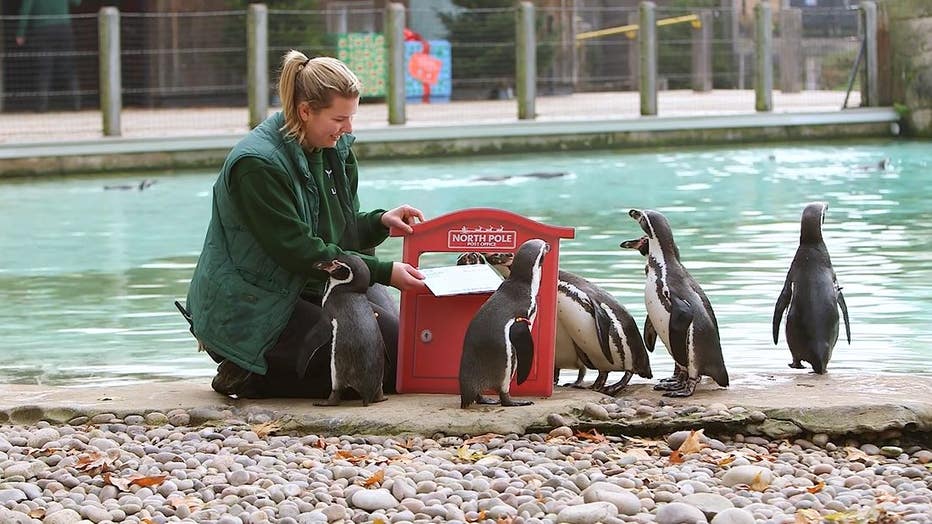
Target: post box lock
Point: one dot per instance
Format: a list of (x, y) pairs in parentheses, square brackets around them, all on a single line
[(426, 336)]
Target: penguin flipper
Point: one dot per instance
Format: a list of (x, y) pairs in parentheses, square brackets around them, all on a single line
[(650, 334), (318, 337), (603, 330), (681, 317), (523, 346), (780, 307), (844, 314)]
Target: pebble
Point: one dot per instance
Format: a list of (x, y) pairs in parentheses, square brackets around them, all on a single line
[(227, 473)]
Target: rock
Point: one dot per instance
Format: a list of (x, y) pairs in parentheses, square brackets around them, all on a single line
[(891, 451), (595, 411), (675, 440), (679, 513), (746, 475), (373, 499), (587, 513), (709, 503), (11, 495), (26, 470), (42, 436), (624, 501), (556, 420), (561, 431), (733, 516), (65, 516)]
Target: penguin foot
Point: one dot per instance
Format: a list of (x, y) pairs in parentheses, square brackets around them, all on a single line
[(674, 378), (796, 364), (507, 401), (671, 385), (332, 400), (689, 387), (485, 400), (617, 387)]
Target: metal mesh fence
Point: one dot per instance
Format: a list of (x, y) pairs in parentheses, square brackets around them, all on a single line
[(184, 73)]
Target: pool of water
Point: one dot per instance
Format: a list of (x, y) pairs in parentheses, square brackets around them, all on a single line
[(88, 275)]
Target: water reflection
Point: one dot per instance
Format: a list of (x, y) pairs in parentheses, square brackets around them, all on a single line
[(88, 284)]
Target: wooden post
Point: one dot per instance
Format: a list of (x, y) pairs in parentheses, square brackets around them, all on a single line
[(257, 58), (763, 66), (647, 43), (526, 61), (111, 86), (869, 96), (791, 50), (702, 53), (395, 43)]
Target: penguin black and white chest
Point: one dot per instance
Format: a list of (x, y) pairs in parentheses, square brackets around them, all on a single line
[(678, 310), (357, 351), (498, 344), (813, 295)]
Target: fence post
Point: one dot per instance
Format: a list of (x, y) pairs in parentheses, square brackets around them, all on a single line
[(763, 65), (869, 96), (791, 50), (647, 44), (395, 44), (526, 61), (257, 58), (111, 86), (702, 52), (634, 54)]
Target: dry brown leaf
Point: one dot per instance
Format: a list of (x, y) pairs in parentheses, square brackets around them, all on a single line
[(265, 429), (676, 457), (726, 461), (147, 521), (807, 516), (37, 513), (123, 484), (693, 442), (759, 484), (817, 488), (375, 479), (349, 456), (641, 454), (319, 444), (504, 519), (94, 462), (481, 439), (378, 521), (191, 502), (592, 435)]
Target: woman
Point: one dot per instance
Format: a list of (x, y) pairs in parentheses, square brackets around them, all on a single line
[(286, 198)]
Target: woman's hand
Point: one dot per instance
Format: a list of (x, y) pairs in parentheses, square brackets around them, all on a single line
[(406, 277), (402, 217)]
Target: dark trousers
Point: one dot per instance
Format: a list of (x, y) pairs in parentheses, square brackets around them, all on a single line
[(298, 365), (55, 43)]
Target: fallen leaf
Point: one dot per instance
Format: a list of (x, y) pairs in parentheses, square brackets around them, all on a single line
[(37, 513), (375, 479), (807, 516), (504, 519), (191, 502), (378, 521), (693, 442), (676, 457), (639, 453), (817, 488), (592, 435), (94, 462), (123, 484), (464, 453), (319, 444), (727, 460), (265, 429), (759, 484), (481, 439)]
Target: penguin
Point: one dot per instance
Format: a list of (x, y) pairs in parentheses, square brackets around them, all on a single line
[(813, 295), (593, 330), (498, 344), (678, 311), (357, 351)]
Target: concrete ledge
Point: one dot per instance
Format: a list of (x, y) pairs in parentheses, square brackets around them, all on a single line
[(882, 407), (122, 155)]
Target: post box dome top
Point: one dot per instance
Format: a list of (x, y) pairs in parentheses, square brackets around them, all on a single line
[(488, 217)]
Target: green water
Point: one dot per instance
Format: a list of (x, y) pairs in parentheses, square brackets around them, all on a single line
[(88, 276)]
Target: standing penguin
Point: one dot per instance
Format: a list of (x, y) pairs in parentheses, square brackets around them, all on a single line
[(498, 344), (357, 351), (813, 295), (677, 310), (593, 331)]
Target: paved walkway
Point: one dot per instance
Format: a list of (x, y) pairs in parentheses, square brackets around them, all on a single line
[(20, 128)]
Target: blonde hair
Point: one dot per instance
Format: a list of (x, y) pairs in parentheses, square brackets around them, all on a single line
[(315, 81)]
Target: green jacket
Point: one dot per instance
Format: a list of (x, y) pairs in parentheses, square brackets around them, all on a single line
[(276, 210), (48, 12)]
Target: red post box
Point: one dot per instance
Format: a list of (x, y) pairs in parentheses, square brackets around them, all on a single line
[(432, 328)]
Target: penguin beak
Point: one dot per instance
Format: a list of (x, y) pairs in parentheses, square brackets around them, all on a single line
[(326, 266), (639, 244)]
